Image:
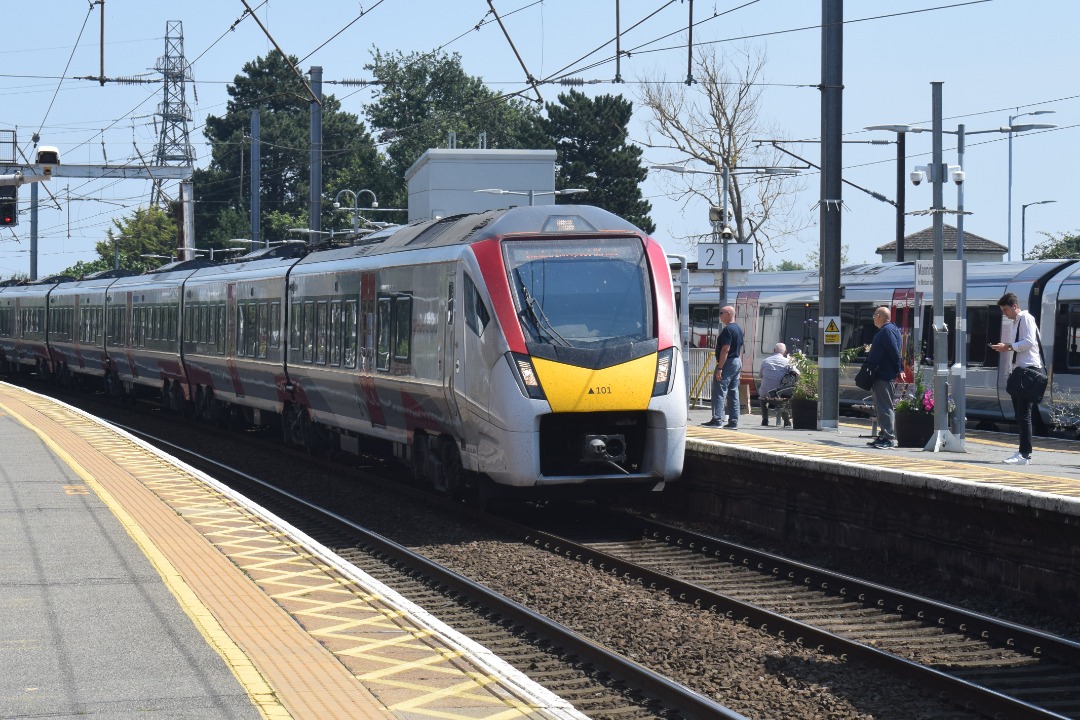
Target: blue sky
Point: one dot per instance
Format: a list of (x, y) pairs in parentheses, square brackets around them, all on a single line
[(996, 58)]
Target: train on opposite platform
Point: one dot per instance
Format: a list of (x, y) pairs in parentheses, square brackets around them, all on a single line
[(783, 306), (519, 351)]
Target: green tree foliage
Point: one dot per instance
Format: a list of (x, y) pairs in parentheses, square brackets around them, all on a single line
[(147, 231), (423, 97), (1056, 246), (591, 138), (222, 190)]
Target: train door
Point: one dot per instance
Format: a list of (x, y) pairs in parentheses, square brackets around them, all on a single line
[(904, 317), (368, 305), (746, 314), (455, 355)]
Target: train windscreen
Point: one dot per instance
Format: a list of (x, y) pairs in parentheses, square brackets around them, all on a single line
[(581, 293)]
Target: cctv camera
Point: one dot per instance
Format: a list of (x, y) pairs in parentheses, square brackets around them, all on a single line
[(917, 176), (958, 177)]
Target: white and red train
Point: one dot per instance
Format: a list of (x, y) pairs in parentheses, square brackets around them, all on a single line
[(529, 348)]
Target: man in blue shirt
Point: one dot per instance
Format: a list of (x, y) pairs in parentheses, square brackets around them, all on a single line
[(725, 386), (884, 361)]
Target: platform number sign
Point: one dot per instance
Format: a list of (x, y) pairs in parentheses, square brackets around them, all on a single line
[(711, 256), (832, 330)]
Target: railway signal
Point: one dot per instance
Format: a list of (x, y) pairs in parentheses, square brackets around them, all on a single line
[(9, 205)]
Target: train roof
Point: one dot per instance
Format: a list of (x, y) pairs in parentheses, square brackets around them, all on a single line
[(542, 220), (892, 275)]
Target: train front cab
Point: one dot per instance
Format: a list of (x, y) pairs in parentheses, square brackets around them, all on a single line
[(592, 390)]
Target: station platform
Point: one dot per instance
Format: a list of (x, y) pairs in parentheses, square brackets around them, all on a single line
[(1052, 480), (135, 586)]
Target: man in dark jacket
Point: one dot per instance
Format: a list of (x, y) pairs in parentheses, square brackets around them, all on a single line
[(725, 387), (884, 361)]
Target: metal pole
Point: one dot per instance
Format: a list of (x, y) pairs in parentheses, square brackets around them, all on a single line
[(1023, 231), (33, 230), (832, 86), (901, 188), (315, 192), (1009, 234), (723, 224), (256, 173), (959, 420), (531, 195), (942, 438), (355, 213)]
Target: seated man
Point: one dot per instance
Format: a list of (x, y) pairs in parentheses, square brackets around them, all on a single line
[(770, 392)]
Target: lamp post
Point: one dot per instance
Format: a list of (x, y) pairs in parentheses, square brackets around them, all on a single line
[(1023, 224), (720, 223), (355, 204), (1010, 128), (533, 194), (901, 183)]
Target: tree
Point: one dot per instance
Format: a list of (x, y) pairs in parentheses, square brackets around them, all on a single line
[(718, 130), (147, 231), (423, 97), (590, 136), (350, 159), (1059, 245)]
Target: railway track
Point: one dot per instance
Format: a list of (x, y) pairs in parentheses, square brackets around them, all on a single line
[(599, 683), (999, 668)]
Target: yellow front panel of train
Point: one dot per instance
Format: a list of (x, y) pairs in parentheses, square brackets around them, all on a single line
[(574, 389)]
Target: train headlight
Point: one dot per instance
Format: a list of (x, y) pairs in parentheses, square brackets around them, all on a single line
[(665, 372), (526, 376)]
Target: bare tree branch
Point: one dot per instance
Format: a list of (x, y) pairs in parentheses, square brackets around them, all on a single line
[(713, 122)]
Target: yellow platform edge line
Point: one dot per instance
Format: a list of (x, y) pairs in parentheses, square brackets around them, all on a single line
[(257, 688)]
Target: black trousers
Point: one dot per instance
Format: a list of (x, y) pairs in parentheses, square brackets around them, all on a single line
[(1023, 409)]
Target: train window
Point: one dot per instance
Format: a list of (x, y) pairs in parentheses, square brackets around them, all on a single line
[(402, 327), (294, 327), (239, 330), (928, 333), (1072, 338), (771, 320), (583, 293), (321, 334), (351, 318), (220, 329), (308, 327), (476, 313), (801, 328), (264, 335), (251, 333), (335, 333), (383, 319), (275, 325)]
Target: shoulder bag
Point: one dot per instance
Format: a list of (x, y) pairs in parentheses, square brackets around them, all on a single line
[(1028, 383), (864, 379)]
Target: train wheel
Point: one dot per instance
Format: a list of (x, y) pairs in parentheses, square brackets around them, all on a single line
[(450, 478), (418, 456)]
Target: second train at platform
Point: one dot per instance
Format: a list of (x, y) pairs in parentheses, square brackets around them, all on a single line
[(776, 307)]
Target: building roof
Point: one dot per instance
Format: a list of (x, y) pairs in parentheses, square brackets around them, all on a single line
[(924, 240)]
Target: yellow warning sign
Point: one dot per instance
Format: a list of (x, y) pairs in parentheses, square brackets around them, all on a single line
[(832, 330)]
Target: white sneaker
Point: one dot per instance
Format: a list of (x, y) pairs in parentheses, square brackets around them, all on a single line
[(1017, 459)]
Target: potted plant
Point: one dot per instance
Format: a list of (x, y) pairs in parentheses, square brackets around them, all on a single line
[(915, 414), (804, 399)]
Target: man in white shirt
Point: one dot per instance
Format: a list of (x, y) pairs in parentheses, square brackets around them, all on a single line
[(773, 369), (1026, 353)]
